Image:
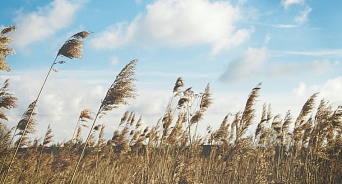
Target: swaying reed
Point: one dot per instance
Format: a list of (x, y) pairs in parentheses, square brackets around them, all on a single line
[(47, 139), (206, 101), (121, 89), (248, 113), (72, 48), (25, 127), (7, 100), (4, 49), (84, 116)]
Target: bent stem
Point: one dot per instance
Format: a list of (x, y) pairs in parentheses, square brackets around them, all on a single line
[(85, 145), (28, 121)]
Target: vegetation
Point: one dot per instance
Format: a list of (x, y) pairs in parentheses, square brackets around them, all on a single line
[(305, 149)]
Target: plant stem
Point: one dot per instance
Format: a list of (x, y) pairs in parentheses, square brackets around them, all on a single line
[(28, 121), (84, 147)]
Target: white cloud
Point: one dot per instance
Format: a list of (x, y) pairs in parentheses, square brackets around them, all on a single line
[(303, 16), (246, 65), (257, 63), (331, 90), (115, 36), (288, 3), (39, 25), (285, 26), (300, 91), (178, 24)]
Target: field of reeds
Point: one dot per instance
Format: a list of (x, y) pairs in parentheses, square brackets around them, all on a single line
[(282, 149)]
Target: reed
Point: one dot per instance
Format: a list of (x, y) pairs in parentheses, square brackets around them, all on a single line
[(121, 89)]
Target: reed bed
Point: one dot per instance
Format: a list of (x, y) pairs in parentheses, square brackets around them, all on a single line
[(283, 149)]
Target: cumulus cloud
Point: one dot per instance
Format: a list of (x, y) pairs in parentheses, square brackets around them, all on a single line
[(288, 3), (303, 16), (246, 65), (39, 25), (180, 23), (116, 35), (300, 91), (331, 90)]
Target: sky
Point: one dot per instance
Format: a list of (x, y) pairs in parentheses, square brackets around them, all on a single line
[(294, 47)]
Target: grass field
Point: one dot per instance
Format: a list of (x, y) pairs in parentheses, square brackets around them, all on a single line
[(283, 149)]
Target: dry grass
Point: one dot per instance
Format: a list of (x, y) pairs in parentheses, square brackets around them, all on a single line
[(152, 156), (171, 151)]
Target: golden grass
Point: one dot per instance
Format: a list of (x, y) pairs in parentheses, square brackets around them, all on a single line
[(171, 151)]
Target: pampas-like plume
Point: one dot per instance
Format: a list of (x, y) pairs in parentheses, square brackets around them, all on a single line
[(285, 126), (4, 49), (248, 113), (101, 139), (25, 126), (261, 126), (121, 89), (179, 83), (7, 100), (72, 48), (222, 132), (206, 101), (84, 116), (307, 108), (47, 139), (48, 136)]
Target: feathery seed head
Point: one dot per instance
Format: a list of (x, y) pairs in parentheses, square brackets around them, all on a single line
[(121, 89), (179, 83), (82, 34), (4, 49), (8, 29), (72, 48)]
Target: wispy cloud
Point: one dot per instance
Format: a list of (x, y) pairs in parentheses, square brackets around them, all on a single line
[(303, 16), (39, 25), (285, 26), (325, 52), (280, 26), (288, 3), (180, 24)]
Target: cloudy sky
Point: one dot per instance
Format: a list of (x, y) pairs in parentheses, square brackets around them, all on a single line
[(294, 47)]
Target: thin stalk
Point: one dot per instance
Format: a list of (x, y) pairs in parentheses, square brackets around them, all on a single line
[(4, 161), (85, 145), (28, 121), (77, 125)]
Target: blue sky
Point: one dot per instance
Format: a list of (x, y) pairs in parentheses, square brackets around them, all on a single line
[(293, 46)]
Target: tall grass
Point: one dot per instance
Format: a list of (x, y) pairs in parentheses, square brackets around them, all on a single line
[(282, 149)]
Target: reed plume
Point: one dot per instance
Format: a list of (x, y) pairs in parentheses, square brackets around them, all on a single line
[(121, 89), (248, 113), (7, 100), (4, 49), (179, 83), (206, 101), (47, 139), (84, 116), (25, 127)]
